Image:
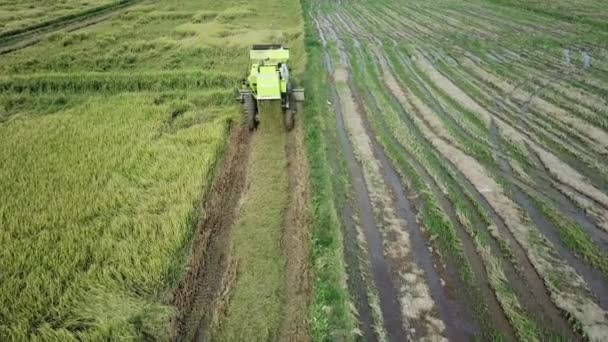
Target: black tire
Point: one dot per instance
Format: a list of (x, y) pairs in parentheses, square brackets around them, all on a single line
[(289, 121), (250, 110), (291, 110)]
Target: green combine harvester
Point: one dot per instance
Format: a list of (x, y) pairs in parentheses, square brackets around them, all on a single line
[(268, 80)]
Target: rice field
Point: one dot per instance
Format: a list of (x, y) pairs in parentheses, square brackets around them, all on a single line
[(447, 178), (473, 140), (111, 136), (16, 15)]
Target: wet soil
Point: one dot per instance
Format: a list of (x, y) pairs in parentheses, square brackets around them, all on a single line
[(355, 281), (565, 204), (198, 297), (593, 277), (545, 311), (380, 269)]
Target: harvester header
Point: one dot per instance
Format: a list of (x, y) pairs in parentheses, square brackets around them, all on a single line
[(269, 54)]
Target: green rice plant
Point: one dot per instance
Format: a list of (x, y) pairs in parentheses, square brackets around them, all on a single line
[(106, 171), (75, 83), (29, 15), (573, 236), (99, 208)]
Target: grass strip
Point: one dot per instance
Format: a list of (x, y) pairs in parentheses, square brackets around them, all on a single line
[(331, 318), (256, 305)]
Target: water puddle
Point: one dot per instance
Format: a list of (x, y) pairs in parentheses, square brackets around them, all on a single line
[(586, 59), (566, 56)]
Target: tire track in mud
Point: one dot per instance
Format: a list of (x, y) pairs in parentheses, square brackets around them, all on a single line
[(566, 291), (202, 291), (456, 328), (469, 249), (378, 267), (536, 251), (541, 252), (530, 109), (443, 280), (542, 175), (522, 128), (356, 266), (447, 208), (396, 11)]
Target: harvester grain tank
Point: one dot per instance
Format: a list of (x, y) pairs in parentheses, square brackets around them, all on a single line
[(268, 80)]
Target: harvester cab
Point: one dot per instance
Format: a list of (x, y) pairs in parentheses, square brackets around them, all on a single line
[(268, 80)]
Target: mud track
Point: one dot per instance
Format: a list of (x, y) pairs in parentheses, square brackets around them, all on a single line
[(210, 271), (295, 241)]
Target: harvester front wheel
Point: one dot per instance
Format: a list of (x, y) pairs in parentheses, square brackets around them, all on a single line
[(250, 110)]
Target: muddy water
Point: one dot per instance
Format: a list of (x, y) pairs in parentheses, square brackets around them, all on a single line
[(458, 324), (458, 320), (355, 281), (454, 324), (380, 270)]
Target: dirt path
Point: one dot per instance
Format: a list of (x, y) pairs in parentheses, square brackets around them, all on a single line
[(210, 272), (296, 239)]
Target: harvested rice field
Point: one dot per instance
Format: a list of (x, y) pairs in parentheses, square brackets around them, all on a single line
[(471, 140)]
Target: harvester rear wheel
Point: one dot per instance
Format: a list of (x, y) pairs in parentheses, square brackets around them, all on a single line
[(250, 110), (291, 109), (289, 119)]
